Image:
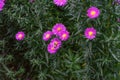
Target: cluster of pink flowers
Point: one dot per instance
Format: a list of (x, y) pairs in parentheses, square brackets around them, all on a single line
[(59, 29), (93, 12), (61, 33), (2, 3)]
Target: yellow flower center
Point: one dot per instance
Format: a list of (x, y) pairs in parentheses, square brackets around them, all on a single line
[(93, 12), (20, 35), (48, 35), (64, 35), (90, 33), (52, 48), (55, 43), (58, 29)]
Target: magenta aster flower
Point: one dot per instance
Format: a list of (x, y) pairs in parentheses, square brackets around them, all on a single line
[(51, 49), (56, 43), (2, 0), (93, 12), (47, 35), (57, 28), (90, 33), (20, 35), (1, 5), (64, 35), (60, 2)]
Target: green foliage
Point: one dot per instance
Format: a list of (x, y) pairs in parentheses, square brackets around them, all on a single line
[(78, 58)]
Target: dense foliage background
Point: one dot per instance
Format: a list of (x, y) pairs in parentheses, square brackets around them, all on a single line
[(78, 58)]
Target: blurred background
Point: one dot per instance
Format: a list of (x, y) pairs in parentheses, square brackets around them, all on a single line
[(77, 59)]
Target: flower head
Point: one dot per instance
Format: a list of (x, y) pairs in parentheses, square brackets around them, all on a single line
[(90, 33), (57, 28), (1, 5), (3, 0), (20, 35), (54, 45), (51, 49), (47, 35), (64, 35), (93, 12), (60, 2)]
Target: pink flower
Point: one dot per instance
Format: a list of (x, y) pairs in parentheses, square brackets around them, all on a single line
[(51, 49), (93, 12), (20, 35), (3, 0), (60, 2), (90, 33), (54, 45), (47, 35), (1, 5), (57, 28), (64, 35)]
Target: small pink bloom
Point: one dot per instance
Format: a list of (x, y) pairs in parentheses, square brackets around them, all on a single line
[(60, 2), (3, 0), (20, 35), (1, 5), (64, 35), (47, 35), (56, 43), (90, 33), (93, 12), (57, 28), (51, 49)]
